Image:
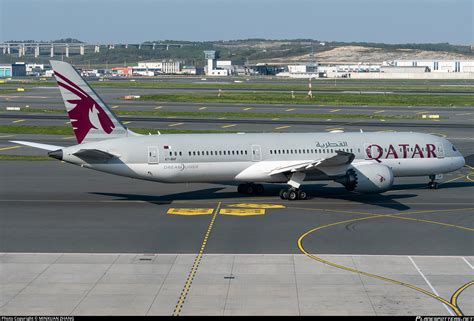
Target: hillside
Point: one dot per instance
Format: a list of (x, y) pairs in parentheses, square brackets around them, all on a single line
[(251, 51)]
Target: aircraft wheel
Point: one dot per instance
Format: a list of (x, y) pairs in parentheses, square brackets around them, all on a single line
[(433, 185), (241, 188), (259, 188), (284, 194), (249, 189), (292, 195), (302, 195)]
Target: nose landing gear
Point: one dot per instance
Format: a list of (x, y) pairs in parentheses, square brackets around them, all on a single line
[(433, 184)]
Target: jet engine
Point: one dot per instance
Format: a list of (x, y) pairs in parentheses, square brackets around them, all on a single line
[(367, 178)]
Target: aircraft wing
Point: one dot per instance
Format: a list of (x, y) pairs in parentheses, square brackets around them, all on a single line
[(341, 158), (37, 145)]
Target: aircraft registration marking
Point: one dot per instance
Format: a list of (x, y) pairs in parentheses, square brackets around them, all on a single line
[(190, 211), (242, 211)]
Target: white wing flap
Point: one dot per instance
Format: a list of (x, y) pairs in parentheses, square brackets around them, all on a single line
[(341, 158)]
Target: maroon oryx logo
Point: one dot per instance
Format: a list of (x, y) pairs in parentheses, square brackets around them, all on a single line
[(87, 113), (381, 178)]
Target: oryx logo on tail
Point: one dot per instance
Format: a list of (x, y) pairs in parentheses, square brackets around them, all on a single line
[(87, 113)]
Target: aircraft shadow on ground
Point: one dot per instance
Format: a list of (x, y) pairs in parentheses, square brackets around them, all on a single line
[(316, 191)]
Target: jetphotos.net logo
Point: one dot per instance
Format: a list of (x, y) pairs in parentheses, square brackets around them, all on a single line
[(87, 113)]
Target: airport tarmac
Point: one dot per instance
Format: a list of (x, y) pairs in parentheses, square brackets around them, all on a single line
[(75, 241), (50, 98), (82, 242)]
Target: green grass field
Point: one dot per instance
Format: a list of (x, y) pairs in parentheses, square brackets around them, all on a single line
[(318, 99), (235, 114), (67, 130), (284, 84)]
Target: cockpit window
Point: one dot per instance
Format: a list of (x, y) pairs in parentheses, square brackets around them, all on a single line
[(454, 148)]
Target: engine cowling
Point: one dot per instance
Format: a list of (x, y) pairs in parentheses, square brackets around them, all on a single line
[(368, 178)]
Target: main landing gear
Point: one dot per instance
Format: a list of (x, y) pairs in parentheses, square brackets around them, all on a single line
[(433, 184), (293, 194), (250, 188)]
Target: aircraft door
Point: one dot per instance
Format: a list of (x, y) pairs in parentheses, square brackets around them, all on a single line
[(256, 153), (440, 150), (153, 155)]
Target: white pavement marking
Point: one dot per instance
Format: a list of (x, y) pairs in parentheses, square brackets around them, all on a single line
[(429, 284), (467, 262)]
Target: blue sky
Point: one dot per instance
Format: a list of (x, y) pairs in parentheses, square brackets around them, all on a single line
[(132, 21)]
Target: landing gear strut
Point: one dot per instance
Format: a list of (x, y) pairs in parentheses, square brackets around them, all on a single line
[(433, 184), (250, 188), (293, 194)]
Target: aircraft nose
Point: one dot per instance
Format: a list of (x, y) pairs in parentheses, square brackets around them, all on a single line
[(462, 161)]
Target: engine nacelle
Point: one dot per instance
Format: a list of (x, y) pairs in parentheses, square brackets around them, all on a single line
[(368, 178)]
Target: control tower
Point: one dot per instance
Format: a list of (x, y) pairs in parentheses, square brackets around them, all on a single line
[(210, 55)]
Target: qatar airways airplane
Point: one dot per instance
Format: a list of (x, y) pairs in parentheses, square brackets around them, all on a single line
[(362, 162)]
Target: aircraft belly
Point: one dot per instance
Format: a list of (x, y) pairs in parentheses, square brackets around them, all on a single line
[(422, 166)]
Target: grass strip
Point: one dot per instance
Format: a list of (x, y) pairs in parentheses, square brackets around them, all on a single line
[(288, 85), (235, 114), (67, 130), (24, 158), (335, 99)]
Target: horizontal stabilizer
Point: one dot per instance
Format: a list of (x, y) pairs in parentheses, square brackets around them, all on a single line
[(93, 154), (37, 145)]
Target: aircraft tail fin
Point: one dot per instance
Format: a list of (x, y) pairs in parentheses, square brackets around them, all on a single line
[(91, 118)]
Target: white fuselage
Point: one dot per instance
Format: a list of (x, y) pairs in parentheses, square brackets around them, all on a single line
[(251, 157)]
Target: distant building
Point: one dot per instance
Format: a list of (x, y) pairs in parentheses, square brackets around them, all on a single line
[(296, 69), (438, 65), (122, 71), (171, 67), (215, 67), (5, 71), (264, 69), (189, 70), (410, 69), (147, 68), (19, 69)]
